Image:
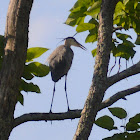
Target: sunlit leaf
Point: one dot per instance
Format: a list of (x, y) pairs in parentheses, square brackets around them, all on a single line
[(105, 122), (94, 52), (84, 3), (84, 27), (94, 9), (75, 17), (35, 52), (38, 69), (119, 9), (91, 38), (118, 112)]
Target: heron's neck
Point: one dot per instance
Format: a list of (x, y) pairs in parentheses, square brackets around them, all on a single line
[(67, 44)]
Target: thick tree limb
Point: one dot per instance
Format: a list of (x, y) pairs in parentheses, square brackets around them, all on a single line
[(16, 34), (135, 69), (98, 86), (47, 116), (73, 114)]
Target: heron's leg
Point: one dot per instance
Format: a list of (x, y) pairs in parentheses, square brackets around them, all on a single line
[(66, 91), (52, 98)]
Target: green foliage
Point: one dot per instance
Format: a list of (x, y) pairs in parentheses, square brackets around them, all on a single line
[(20, 98), (84, 27), (118, 112), (126, 16), (37, 69), (131, 128), (31, 69), (94, 52), (34, 52), (105, 122), (29, 87)]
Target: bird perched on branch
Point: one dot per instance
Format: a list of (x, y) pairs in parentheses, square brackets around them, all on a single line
[(60, 62)]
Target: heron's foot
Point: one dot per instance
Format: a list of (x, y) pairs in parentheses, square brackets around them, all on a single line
[(50, 112), (69, 109)]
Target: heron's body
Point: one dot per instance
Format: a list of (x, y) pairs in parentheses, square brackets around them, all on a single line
[(60, 62)]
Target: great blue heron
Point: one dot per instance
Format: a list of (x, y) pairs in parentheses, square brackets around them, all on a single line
[(60, 62)]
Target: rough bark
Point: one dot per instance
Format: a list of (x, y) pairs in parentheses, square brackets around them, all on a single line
[(99, 82), (16, 34)]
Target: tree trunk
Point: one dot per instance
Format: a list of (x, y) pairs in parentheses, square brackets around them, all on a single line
[(16, 35), (99, 85)]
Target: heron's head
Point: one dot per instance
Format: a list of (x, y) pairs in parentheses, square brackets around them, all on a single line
[(71, 41)]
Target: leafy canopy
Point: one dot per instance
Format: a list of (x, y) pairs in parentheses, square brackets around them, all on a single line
[(126, 16)]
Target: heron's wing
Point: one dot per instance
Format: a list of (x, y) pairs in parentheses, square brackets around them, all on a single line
[(60, 62)]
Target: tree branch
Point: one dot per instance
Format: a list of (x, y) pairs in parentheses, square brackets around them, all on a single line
[(47, 116), (135, 69), (119, 95), (73, 114), (117, 28)]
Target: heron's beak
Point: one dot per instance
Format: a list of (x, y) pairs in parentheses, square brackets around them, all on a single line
[(81, 46)]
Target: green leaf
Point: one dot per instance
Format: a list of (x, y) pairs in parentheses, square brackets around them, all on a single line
[(125, 1), (29, 87), (118, 112), (93, 35), (135, 119), (27, 73), (124, 51), (38, 69), (84, 27), (91, 38), (128, 43), (105, 122), (76, 7), (119, 10), (94, 52), (94, 21), (84, 3), (94, 9), (20, 98), (76, 17), (138, 40), (120, 136), (135, 4), (35, 52), (132, 126), (123, 36), (134, 136)]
